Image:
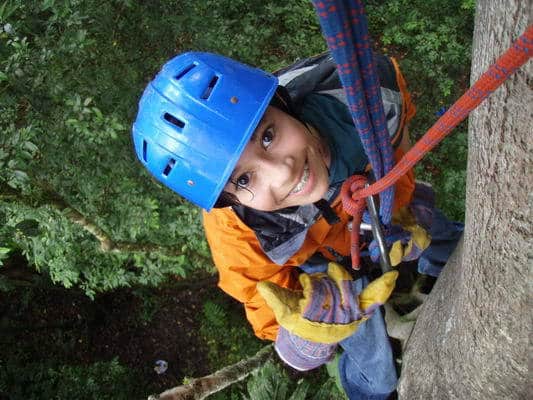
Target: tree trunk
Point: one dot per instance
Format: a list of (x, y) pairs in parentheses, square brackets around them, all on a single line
[(471, 339)]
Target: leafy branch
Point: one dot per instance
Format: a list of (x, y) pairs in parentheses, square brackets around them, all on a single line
[(200, 388), (49, 197)]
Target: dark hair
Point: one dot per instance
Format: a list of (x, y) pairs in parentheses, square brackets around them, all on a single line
[(226, 199), (280, 100)]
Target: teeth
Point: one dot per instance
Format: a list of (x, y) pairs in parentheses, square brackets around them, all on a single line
[(302, 183)]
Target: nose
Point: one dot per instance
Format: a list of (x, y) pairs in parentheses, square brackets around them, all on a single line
[(276, 171)]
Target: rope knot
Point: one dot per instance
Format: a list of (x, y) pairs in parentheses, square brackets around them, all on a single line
[(354, 205)]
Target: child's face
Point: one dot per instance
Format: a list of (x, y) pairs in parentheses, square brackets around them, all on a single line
[(283, 165)]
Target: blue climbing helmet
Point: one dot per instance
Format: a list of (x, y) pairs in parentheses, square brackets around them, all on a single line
[(195, 119)]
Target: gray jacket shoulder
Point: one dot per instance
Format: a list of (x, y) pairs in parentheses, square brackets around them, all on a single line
[(318, 74)]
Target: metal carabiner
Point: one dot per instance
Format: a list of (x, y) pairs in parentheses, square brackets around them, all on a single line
[(377, 232)]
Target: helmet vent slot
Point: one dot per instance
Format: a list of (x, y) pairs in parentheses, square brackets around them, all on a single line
[(169, 167), (173, 120), (145, 150), (184, 72), (209, 88)]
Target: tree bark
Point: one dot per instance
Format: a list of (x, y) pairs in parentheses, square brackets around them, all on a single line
[(471, 339)]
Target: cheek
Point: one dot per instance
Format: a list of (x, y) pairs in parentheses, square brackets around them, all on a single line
[(256, 198), (297, 140)]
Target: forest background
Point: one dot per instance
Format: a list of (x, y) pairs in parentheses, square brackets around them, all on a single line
[(104, 271)]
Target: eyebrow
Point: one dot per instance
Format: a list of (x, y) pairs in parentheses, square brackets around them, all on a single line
[(260, 128)]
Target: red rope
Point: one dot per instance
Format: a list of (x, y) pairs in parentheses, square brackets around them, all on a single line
[(353, 193), (355, 208)]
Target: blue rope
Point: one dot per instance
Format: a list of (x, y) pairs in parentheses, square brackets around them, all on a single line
[(345, 29)]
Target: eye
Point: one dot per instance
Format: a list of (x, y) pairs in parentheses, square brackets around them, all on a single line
[(242, 181), (267, 137)]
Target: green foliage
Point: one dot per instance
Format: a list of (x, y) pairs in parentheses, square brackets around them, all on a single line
[(332, 368), (228, 338), (149, 303), (226, 333), (434, 38), (70, 75), (101, 380), (16, 149), (268, 34), (4, 253), (271, 382)]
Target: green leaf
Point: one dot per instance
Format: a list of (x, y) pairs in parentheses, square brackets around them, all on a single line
[(5, 11), (20, 175), (29, 227), (46, 4), (97, 112), (30, 146)]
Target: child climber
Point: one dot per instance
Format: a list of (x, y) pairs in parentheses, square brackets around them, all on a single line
[(265, 157)]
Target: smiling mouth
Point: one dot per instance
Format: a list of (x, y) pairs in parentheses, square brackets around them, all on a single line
[(305, 177)]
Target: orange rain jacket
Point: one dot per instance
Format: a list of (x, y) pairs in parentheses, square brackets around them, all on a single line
[(241, 262)]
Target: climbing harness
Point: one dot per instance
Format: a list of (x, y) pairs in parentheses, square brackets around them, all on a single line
[(345, 29)]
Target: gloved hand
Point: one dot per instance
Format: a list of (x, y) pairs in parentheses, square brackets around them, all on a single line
[(406, 238), (419, 240), (328, 308)]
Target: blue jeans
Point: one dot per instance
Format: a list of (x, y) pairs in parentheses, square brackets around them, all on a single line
[(445, 235), (366, 367)]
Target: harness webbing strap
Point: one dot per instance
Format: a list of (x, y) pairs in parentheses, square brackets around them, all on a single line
[(345, 29)]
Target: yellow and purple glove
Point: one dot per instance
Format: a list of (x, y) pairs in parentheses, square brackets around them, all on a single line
[(411, 248), (406, 238), (328, 308)]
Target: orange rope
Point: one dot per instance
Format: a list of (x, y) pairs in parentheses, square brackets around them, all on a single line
[(352, 192), (509, 62)]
